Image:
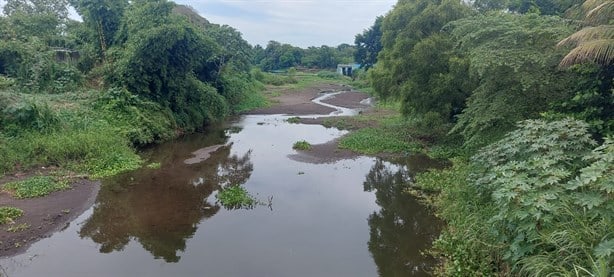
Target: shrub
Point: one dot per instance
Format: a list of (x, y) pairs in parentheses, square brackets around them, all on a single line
[(544, 179)]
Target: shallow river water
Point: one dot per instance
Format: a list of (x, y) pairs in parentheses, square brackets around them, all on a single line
[(348, 218)]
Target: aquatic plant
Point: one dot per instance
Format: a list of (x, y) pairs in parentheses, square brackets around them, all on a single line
[(236, 197), (301, 145)]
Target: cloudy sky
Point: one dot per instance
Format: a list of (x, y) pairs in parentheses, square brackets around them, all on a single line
[(301, 23)]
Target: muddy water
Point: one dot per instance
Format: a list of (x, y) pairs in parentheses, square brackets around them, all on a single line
[(349, 218)]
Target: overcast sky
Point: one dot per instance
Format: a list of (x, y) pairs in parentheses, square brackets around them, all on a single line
[(301, 23)]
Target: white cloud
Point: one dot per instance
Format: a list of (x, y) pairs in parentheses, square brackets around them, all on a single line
[(298, 22)]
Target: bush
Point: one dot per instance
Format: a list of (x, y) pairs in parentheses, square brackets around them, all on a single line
[(142, 122), (27, 115), (543, 180)]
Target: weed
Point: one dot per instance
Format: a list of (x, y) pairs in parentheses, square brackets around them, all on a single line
[(301, 145), (36, 186), (236, 197), (9, 214), (18, 228), (294, 120)]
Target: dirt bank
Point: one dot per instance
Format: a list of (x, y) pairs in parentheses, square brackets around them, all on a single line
[(44, 215), (298, 101)]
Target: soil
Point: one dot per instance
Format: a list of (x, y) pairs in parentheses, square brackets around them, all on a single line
[(44, 215), (54, 212), (298, 102)]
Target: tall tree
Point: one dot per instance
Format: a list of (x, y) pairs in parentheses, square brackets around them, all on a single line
[(368, 44), (102, 16)]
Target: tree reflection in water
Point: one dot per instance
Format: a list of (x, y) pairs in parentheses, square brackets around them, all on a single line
[(162, 208), (402, 228)]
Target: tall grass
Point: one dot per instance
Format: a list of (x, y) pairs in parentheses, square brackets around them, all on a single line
[(99, 152)]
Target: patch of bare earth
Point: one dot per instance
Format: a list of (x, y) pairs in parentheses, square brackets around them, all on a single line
[(299, 102), (45, 215)]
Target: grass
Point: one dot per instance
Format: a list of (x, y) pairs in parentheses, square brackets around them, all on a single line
[(301, 145), (9, 214), (252, 100), (36, 186), (236, 197)]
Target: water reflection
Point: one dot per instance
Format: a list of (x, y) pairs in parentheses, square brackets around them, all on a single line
[(402, 228), (161, 208)]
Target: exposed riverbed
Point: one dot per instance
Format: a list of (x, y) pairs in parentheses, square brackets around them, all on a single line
[(349, 217)]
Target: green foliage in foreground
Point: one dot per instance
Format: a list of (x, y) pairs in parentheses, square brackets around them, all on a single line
[(36, 186), (236, 197), (301, 145), (538, 202), (9, 214)]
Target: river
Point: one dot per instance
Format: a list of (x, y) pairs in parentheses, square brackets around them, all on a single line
[(347, 218)]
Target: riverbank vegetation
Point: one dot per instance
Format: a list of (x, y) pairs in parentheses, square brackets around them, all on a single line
[(84, 95), (519, 95)]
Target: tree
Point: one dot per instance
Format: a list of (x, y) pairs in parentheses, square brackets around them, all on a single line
[(163, 50), (103, 17), (368, 44), (594, 43), (514, 60), (396, 75)]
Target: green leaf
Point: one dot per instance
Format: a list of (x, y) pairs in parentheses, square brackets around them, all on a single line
[(605, 248)]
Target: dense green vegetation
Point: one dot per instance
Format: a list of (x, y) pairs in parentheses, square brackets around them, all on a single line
[(519, 94), (277, 56), (82, 95)]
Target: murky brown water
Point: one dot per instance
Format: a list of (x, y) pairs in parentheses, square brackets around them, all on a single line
[(349, 218)]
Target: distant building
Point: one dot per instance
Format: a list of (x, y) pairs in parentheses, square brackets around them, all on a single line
[(347, 69)]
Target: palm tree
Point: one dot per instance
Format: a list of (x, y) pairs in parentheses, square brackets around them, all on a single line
[(594, 43)]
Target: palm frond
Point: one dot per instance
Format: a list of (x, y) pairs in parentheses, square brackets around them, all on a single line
[(599, 51), (601, 14), (588, 34)]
